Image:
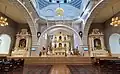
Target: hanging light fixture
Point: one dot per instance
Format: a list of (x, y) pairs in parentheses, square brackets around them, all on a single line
[(115, 20), (59, 11), (3, 20)]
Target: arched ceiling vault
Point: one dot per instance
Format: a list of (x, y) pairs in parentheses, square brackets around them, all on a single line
[(74, 3), (106, 12), (100, 13), (12, 11)]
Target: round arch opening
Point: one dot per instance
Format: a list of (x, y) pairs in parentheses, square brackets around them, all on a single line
[(5, 41), (114, 43), (49, 34)]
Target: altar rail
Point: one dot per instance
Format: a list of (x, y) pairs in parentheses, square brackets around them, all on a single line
[(56, 60)]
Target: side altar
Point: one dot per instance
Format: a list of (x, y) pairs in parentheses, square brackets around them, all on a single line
[(23, 44), (96, 44)]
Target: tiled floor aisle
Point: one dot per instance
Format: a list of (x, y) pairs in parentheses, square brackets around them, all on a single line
[(60, 69)]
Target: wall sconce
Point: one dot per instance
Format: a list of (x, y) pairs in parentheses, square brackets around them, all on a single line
[(38, 34)]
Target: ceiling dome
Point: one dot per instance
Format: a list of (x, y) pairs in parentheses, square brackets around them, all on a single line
[(59, 1)]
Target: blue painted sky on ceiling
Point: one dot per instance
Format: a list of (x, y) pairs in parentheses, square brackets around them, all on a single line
[(44, 3), (47, 10), (60, 1)]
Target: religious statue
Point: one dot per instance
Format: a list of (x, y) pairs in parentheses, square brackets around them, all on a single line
[(55, 38), (60, 44), (81, 34), (64, 38), (55, 45), (65, 45), (22, 43), (48, 50), (60, 38), (97, 44), (43, 48), (38, 34), (96, 31)]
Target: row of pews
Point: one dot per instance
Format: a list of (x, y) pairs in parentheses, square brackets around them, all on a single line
[(109, 66), (11, 66), (106, 66), (82, 69), (37, 69)]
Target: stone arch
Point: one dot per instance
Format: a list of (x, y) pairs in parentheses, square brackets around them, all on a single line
[(63, 26), (114, 43), (5, 42), (95, 10), (29, 18)]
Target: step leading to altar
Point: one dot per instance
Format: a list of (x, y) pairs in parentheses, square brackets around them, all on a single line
[(56, 60)]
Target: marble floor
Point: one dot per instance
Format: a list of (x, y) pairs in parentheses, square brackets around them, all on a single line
[(59, 69)]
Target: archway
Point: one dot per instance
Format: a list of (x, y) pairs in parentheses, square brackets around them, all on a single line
[(5, 41), (29, 18), (114, 43), (60, 28), (93, 13)]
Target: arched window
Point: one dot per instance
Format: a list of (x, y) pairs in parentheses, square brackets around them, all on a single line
[(5, 41), (114, 42)]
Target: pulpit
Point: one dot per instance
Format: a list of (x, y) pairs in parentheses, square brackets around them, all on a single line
[(96, 44), (23, 44)]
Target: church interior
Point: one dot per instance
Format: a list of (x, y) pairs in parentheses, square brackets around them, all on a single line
[(59, 36)]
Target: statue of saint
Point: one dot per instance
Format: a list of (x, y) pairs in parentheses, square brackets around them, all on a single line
[(22, 43), (43, 48), (60, 45), (64, 38), (97, 44), (55, 46), (60, 38), (65, 45)]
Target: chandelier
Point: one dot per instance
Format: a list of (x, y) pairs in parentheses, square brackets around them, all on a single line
[(3, 20), (115, 20), (59, 11)]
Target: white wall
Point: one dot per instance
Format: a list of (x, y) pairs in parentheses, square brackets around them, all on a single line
[(114, 42), (5, 44)]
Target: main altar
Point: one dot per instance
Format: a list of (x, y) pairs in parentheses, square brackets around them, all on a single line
[(59, 44)]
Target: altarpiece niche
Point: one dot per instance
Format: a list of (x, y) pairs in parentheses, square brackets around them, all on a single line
[(23, 43), (96, 43)]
